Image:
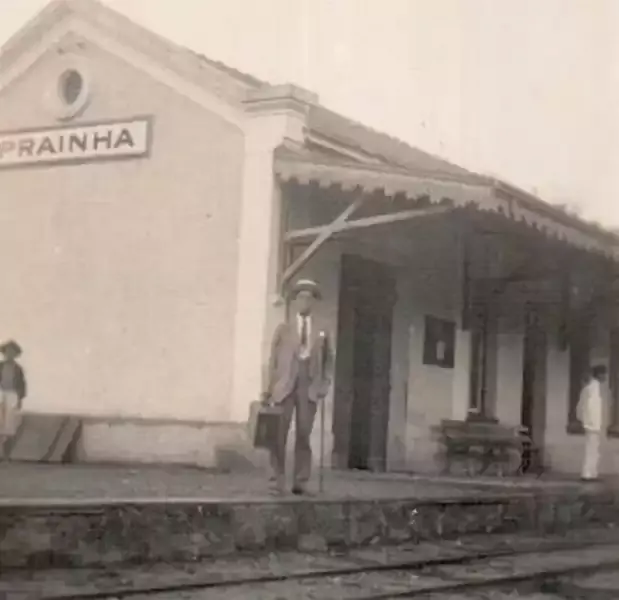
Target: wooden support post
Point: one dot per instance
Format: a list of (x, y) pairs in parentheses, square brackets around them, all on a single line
[(464, 257)]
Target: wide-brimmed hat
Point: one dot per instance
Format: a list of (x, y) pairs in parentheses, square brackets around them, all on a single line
[(11, 345), (306, 285)]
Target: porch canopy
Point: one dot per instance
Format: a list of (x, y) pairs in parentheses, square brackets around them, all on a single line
[(351, 180), (495, 257)]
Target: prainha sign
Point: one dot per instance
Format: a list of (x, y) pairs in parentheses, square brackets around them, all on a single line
[(78, 143)]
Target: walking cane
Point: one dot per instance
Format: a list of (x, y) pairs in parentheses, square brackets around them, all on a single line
[(321, 471)]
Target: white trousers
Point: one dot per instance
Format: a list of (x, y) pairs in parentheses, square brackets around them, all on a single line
[(591, 459), (9, 414)]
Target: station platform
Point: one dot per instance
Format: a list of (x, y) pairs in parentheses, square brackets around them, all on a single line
[(60, 516)]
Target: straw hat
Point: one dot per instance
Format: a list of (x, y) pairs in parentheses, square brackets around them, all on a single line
[(11, 345), (306, 285)]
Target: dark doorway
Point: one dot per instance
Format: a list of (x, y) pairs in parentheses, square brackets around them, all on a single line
[(533, 411), (363, 378), (580, 357)]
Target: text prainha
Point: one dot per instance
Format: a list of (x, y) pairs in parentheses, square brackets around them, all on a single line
[(63, 143)]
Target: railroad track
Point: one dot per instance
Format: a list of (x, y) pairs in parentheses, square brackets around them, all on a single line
[(531, 562)]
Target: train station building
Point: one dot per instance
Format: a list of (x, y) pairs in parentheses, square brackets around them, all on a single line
[(155, 207)]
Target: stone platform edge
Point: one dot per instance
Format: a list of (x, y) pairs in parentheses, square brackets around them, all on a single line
[(117, 531), (51, 504)]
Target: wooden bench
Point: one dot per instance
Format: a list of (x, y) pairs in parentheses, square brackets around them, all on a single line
[(482, 445), (532, 461)]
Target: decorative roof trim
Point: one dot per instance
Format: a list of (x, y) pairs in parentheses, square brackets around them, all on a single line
[(370, 178), (483, 197), (553, 212), (305, 162)]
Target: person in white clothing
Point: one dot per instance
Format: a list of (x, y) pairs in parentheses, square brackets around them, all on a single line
[(591, 412), (12, 394)]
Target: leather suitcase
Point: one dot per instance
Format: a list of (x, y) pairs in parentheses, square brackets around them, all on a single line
[(265, 424)]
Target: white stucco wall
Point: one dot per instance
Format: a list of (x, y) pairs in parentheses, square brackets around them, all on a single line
[(180, 443), (119, 277), (435, 290), (509, 378), (398, 430)]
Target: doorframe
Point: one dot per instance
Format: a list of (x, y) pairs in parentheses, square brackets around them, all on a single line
[(343, 387), (535, 333)]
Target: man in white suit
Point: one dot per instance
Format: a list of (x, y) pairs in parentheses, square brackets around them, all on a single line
[(591, 411)]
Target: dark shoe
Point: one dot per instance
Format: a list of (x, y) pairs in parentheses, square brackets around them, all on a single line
[(299, 490)]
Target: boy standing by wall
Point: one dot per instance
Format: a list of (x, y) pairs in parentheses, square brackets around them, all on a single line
[(12, 394)]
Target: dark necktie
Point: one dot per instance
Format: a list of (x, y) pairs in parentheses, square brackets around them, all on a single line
[(303, 332)]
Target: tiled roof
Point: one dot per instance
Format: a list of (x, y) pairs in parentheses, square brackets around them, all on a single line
[(339, 129), (311, 153), (240, 75)]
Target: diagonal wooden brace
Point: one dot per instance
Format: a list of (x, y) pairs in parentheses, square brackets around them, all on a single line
[(326, 232), (356, 224)]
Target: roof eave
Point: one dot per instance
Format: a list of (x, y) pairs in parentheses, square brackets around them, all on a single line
[(538, 205), (485, 194)]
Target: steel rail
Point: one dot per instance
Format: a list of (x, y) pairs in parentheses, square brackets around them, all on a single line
[(413, 565), (543, 575)]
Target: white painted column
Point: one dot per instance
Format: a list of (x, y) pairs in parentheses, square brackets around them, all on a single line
[(462, 375), (400, 373), (461, 389), (510, 348), (272, 119), (562, 449)]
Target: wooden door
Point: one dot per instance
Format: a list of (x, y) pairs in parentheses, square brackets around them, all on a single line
[(362, 386)]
